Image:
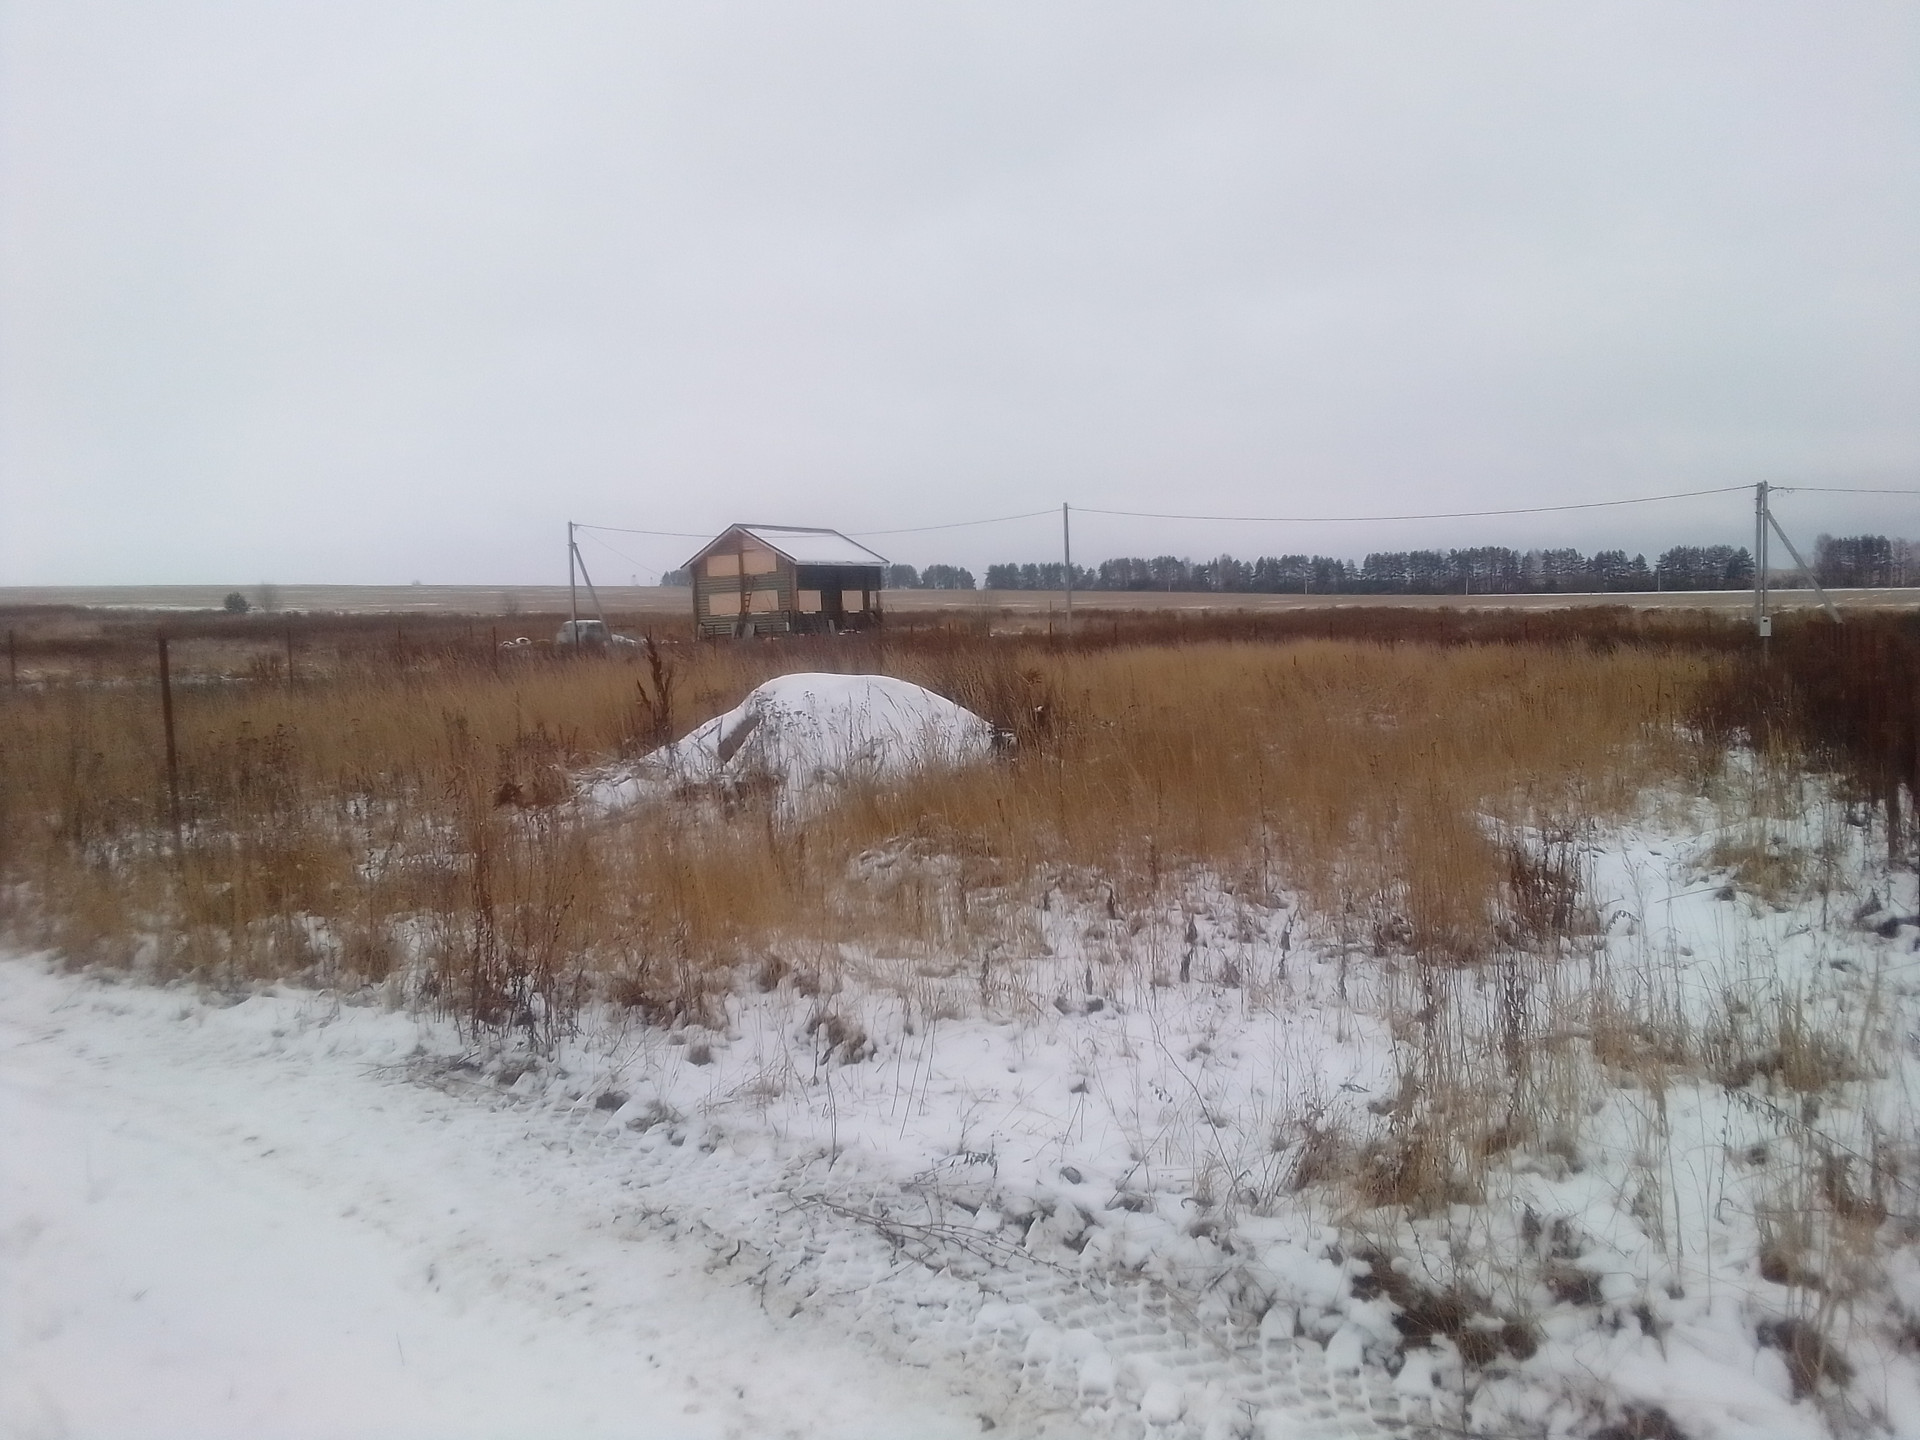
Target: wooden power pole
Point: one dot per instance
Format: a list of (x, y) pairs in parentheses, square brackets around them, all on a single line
[(1066, 554)]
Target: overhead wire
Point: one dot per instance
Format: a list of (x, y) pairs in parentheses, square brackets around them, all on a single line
[(624, 530), (901, 530), (1295, 519), (1837, 490), (1432, 515), (955, 525), (609, 546)]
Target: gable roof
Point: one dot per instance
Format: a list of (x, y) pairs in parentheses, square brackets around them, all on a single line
[(803, 545)]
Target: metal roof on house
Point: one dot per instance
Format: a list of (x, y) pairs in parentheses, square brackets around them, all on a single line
[(812, 547)]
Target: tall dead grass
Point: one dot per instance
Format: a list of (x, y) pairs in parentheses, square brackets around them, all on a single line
[(1381, 783), (388, 813)]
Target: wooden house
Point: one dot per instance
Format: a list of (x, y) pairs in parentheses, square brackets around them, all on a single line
[(784, 579)]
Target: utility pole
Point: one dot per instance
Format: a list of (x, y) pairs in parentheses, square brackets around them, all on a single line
[(1763, 520), (592, 594), (1066, 554), (573, 595), (1806, 570)]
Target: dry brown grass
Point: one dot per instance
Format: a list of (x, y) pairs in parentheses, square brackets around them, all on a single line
[(1369, 779), (337, 827)]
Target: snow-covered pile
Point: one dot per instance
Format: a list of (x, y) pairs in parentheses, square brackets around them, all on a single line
[(802, 731)]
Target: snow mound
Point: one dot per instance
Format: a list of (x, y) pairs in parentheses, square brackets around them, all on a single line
[(800, 732)]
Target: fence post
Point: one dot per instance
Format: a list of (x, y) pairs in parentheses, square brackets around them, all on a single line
[(173, 753), (13, 664), (289, 652)]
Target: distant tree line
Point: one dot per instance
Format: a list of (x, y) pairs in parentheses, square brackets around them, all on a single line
[(1485, 570), (934, 577), (1847, 561), (1865, 560)]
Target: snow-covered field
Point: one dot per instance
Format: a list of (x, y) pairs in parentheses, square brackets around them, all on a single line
[(1100, 1185)]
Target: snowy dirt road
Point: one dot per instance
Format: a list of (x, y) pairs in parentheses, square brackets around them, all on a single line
[(197, 1241)]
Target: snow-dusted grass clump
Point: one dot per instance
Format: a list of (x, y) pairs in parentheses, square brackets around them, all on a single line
[(797, 733)]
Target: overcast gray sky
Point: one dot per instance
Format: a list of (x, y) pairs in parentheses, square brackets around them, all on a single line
[(385, 291)]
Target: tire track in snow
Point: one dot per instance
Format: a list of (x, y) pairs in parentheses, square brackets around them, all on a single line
[(1122, 1354), (1055, 1352)]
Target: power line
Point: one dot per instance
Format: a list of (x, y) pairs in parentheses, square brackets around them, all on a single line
[(623, 530), (903, 530), (1299, 519), (606, 545), (1835, 490), (955, 525), (1437, 515)]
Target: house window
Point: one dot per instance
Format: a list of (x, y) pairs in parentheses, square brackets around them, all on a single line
[(719, 565), (758, 562), (765, 602), (724, 604), (807, 602), (853, 601)]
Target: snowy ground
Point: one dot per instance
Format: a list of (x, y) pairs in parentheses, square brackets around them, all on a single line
[(232, 1222), (1053, 1187)]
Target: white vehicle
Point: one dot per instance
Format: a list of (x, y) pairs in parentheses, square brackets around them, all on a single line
[(592, 635)]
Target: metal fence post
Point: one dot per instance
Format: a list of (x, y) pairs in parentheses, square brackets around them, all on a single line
[(173, 752)]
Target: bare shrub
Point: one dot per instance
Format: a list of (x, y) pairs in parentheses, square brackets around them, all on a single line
[(655, 701)]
